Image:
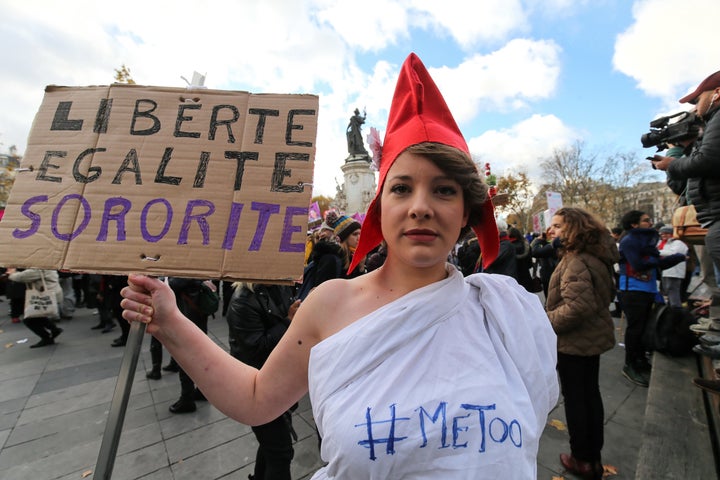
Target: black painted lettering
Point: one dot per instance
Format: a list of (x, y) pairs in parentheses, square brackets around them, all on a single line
[(61, 120), (103, 115), (130, 164), (181, 117), (42, 170), (292, 126), (147, 114), (241, 157), (263, 114), (201, 170), (214, 122), (160, 175), (280, 172), (80, 177)]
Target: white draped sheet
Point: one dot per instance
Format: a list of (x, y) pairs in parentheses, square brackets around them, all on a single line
[(454, 380)]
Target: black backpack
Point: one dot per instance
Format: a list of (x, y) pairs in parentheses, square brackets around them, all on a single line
[(668, 331)]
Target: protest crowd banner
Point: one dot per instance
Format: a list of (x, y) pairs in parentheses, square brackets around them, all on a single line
[(164, 181)]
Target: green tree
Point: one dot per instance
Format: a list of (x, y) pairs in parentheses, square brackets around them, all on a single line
[(8, 170), (122, 75), (519, 190)]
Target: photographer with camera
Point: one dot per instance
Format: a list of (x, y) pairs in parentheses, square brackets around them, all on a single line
[(700, 169)]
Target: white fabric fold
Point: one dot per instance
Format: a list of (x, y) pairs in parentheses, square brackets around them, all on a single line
[(453, 381)]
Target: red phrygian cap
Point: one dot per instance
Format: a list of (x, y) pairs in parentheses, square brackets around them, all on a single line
[(419, 114)]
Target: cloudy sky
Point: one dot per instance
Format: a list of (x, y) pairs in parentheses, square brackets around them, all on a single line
[(522, 77)]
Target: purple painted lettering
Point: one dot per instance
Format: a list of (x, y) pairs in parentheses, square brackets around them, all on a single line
[(265, 209), (117, 215), (200, 218), (56, 213), (34, 217), (144, 216), (232, 226), (289, 229)]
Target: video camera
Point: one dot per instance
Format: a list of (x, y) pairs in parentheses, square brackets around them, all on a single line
[(671, 129)]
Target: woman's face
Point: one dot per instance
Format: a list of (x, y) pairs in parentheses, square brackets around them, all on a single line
[(353, 239), (557, 224), (422, 211), (326, 234)]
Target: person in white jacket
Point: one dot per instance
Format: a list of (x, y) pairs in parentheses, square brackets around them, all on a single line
[(672, 278), (43, 327)]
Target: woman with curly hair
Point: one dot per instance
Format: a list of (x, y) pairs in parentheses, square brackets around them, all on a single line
[(580, 292)]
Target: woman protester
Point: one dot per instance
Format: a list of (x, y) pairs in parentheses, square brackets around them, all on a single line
[(347, 231), (413, 371), (580, 291), (257, 318), (43, 327)]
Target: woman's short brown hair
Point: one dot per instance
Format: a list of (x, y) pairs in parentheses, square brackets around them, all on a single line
[(459, 166)]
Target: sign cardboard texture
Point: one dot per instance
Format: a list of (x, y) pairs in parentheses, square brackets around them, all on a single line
[(164, 181)]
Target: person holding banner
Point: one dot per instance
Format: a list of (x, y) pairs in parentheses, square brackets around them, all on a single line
[(412, 354)]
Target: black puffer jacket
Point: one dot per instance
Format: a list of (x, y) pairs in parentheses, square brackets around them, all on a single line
[(326, 263), (257, 319), (701, 169)]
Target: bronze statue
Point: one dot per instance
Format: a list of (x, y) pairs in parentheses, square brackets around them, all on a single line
[(354, 134)]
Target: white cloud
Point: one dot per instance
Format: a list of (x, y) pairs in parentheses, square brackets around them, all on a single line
[(670, 47), (523, 146), (471, 23), (369, 25), (286, 46), (557, 8), (375, 24), (503, 80)]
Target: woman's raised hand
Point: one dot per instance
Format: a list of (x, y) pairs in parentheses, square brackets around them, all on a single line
[(147, 300)]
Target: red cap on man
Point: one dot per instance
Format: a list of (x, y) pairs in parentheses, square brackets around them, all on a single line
[(419, 114), (710, 83)]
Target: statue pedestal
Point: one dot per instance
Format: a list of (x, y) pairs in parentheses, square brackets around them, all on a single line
[(359, 187)]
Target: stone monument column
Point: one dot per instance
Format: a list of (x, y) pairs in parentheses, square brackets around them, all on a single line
[(359, 188)]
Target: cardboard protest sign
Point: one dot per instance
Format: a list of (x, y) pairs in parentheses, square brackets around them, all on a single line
[(165, 181)]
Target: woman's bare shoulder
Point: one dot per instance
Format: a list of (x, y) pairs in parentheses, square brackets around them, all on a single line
[(337, 303)]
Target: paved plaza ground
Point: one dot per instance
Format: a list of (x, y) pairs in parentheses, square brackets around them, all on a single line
[(54, 403)]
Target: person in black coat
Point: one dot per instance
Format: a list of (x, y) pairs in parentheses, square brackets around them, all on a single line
[(506, 261), (523, 258), (187, 291), (326, 263), (546, 254), (257, 318), (468, 254), (109, 308)]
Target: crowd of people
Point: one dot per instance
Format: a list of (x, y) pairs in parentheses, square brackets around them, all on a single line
[(431, 273)]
